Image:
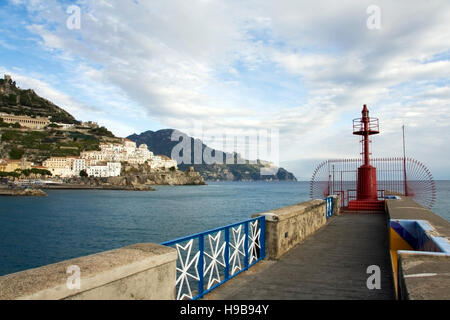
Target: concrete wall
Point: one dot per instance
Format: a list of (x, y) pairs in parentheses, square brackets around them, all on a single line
[(336, 205), (140, 271), (288, 226), (421, 275)]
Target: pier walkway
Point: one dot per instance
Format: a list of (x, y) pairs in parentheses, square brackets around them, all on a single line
[(330, 264)]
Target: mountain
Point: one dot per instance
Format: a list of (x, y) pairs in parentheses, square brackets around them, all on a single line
[(241, 170), (38, 145), (14, 100)]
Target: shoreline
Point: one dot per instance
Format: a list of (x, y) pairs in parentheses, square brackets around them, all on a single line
[(22, 192), (89, 187)]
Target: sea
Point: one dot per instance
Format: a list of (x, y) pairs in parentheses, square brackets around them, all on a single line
[(35, 231)]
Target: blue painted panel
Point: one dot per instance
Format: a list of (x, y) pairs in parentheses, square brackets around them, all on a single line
[(329, 207), (406, 230), (442, 244), (415, 233)]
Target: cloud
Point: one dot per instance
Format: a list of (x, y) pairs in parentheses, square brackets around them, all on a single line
[(303, 69)]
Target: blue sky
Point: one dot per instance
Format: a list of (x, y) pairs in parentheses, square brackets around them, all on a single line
[(231, 66)]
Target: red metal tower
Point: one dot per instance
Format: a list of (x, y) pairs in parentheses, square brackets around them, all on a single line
[(361, 186), (367, 192)]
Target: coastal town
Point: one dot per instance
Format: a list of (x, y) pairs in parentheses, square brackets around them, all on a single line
[(43, 146), (106, 162)]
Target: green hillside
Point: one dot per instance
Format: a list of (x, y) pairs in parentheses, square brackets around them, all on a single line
[(14, 100), (38, 145)]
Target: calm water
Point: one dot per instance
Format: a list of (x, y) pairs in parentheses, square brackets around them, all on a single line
[(40, 230)]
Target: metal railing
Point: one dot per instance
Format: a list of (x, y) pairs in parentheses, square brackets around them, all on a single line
[(329, 206), (398, 176), (358, 125), (229, 250)]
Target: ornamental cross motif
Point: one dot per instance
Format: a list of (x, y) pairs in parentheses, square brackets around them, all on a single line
[(238, 249), (185, 265), (217, 258), (254, 245)]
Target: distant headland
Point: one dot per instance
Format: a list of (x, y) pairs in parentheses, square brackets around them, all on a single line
[(42, 144)]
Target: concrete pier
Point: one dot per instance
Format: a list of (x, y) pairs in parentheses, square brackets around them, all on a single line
[(405, 251), (330, 264)]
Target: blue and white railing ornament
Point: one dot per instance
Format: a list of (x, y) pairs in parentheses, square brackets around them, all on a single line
[(208, 259), (329, 205)]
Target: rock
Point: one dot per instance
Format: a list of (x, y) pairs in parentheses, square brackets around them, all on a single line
[(22, 192), (141, 181)]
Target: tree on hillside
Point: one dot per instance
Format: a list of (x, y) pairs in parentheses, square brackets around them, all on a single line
[(83, 173), (102, 131), (16, 153), (3, 124)]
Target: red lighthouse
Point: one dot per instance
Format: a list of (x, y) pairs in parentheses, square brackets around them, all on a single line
[(367, 192)]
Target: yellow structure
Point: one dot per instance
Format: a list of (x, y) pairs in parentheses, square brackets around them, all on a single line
[(59, 166), (24, 121), (396, 243), (56, 163), (12, 165)]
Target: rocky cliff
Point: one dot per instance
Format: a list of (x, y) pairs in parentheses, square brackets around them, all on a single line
[(141, 181), (160, 143)]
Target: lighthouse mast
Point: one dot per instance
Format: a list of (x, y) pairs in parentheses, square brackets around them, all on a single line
[(366, 193)]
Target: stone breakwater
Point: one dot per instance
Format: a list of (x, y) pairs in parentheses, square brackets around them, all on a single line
[(21, 192), (74, 186), (138, 181)]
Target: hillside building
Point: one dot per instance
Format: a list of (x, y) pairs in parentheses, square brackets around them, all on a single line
[(59, 166), (12, 165), (111, 169), (106, 162), (114, 152), (24, 121), (78, 165)]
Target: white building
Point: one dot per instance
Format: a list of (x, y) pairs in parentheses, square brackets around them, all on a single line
[(112, 152), (114, 168), (78, 165), (25, 121), (140, 155), (111, 169), (129, 146), (65, 126), (92, 156), (126, 152), (162, 162)]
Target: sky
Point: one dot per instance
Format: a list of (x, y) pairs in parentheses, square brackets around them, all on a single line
[(301, 69)]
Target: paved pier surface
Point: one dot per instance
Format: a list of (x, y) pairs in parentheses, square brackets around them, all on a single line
[(330, 264)]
